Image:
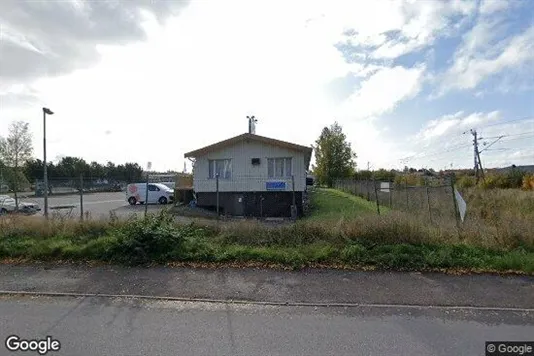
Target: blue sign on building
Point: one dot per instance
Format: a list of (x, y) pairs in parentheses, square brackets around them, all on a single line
[(275, 185)]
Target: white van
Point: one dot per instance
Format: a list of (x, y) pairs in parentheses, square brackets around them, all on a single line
[(157, 193)]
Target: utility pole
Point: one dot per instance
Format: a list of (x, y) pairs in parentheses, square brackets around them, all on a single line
[(46, 111), (479, 171)]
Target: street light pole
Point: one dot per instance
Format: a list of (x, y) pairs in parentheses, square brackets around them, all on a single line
[(45, 172)]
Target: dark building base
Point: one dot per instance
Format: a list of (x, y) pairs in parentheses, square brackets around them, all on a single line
[(252, 204)]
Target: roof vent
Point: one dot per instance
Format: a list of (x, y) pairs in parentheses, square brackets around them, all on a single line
[(252, 124)]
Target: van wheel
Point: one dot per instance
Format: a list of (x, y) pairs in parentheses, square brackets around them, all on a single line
[(162, 200), (132, 201), (3, 211)]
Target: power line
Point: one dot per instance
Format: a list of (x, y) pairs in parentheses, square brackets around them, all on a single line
[(419, 156), (451, 149), (507, 122), (519, 134), (453, 157), (519, 138), (498, 149), (491, 144)]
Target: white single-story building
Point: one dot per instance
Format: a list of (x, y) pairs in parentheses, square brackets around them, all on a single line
[(257, 176)]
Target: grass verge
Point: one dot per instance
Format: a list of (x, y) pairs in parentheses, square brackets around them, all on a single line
[(332, 204), (392, 242)]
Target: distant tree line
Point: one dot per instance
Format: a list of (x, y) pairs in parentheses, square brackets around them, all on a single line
[(74, 167), (19, 169)]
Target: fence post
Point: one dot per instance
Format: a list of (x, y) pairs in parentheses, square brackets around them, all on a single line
[(390, 191), (376, 196), (428, 202), (217, 190), (367, 185), (294, 212), (406, 189), (81, 197), (146, 193)]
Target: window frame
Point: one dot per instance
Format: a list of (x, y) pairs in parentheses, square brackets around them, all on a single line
[(273, 163), (212, 168)]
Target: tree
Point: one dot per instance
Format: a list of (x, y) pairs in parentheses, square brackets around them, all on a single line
[(384, 175), (15, 150), (96, 170), (132, 172), (334, 157), (33, 170)]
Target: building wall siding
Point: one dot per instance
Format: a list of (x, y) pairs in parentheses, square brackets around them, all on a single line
[(245, 176)]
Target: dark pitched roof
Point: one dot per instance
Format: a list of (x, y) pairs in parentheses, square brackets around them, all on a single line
[(248, 136)]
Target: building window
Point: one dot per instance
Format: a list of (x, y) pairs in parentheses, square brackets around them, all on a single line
[(223, 167), (279, 167)]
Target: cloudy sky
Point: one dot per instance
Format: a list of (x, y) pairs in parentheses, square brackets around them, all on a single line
[(141, 81)]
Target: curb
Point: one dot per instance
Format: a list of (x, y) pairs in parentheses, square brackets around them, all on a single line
[(266, 303)]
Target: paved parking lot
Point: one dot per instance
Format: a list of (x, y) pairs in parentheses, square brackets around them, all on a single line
[(98, 205)]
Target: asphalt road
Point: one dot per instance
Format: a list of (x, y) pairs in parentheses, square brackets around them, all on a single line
[(98, 205), (102, 326)]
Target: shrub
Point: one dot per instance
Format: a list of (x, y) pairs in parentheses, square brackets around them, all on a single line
[(515, 178), (528, 182), (154, 238), (512, 179), (410, 180), (492, 181), (465, 182)]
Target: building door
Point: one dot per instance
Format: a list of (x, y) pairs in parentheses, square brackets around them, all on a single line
[(239, 203)]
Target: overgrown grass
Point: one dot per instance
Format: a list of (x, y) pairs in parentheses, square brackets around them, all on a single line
[(358, 237), (497, 205)]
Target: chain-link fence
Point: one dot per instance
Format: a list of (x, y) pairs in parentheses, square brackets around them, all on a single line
[(82, 196), (79, 196), (71, 185), (435, 203)]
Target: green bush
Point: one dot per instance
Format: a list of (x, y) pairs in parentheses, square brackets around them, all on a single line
[(154, 238), (411, 179), (512, 179), (465, 182)]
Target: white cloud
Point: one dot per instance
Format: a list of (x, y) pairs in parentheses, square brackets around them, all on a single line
[(382, 91), (488, 7), (195, 79), (367, 138), (201, 74), (424, 22), (448, 139), (487, 49), (455, 124)]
